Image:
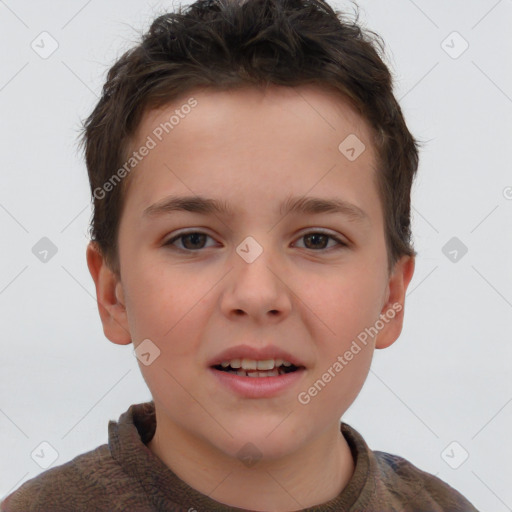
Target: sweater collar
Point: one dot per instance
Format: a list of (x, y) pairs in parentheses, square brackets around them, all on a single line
[(135, 428)]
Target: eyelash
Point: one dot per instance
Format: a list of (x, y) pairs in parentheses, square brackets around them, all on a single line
[(340, 243)]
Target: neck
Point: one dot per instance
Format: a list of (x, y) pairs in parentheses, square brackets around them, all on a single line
[(310, 476)]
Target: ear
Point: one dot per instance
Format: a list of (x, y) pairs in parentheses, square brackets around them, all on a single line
[(393, 309), (110, 297)]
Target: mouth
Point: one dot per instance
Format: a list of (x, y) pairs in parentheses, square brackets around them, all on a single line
[(257, 368)]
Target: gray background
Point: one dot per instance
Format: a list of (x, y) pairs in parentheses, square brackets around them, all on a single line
[(448, 377)]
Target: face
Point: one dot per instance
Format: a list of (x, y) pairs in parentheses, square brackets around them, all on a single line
[(273, 275)]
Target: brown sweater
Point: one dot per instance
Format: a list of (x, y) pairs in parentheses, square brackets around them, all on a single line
[(124, 475)]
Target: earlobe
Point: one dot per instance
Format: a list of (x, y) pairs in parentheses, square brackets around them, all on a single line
[(393, 309), (109, 296)]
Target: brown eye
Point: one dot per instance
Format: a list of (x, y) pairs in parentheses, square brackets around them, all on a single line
[(317, 240), (189, 241)]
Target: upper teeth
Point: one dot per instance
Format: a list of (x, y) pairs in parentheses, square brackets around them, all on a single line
[(253, 364)]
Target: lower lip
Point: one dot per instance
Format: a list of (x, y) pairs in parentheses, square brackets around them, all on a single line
[(258, 387)]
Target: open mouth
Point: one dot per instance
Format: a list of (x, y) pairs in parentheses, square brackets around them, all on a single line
[(254, 368)]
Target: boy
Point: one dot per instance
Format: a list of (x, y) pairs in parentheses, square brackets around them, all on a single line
[(225, 147)]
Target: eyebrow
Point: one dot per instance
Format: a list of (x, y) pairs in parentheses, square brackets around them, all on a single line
[(297, 205)]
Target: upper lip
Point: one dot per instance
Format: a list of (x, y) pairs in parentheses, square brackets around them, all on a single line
[(259, 354)]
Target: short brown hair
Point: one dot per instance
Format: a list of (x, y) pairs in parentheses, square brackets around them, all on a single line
[(231, 43)]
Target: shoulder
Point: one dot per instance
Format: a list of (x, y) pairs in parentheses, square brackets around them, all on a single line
[(416, 488), (91, 481)]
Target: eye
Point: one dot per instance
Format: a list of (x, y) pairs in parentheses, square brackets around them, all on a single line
[(318, 239), (191, 241), (195, 240)]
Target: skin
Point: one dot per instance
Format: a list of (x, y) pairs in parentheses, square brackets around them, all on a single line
[(253, 148)]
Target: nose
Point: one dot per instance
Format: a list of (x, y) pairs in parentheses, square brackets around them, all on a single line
[(257, 290)]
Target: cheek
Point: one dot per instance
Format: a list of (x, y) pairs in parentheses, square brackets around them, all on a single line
[(166, 308), (335, 383), (346, 303), (174, 375)]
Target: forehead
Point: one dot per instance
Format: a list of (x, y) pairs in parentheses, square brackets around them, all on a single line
[(274, 140)]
